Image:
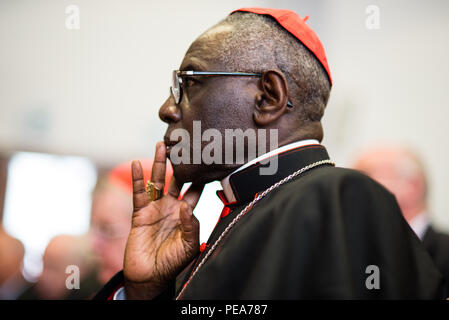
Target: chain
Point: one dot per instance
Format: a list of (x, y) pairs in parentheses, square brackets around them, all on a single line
[(246, 209)]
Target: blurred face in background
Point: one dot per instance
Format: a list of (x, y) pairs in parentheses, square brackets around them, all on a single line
[(61, 252), (401, 173), (111, 217)]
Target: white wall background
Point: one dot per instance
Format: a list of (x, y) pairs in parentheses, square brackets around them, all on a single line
[(95, 91)]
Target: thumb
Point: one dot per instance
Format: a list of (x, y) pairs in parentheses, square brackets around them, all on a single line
[(189, 225)]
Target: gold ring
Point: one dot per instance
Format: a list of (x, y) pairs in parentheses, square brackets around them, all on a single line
[(153, 192)]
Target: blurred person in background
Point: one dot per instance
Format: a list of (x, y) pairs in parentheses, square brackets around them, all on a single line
[(12, 282), (61, 252), (403, 174), (111, 215)]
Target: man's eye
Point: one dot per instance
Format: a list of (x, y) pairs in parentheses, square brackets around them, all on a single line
[(191, 82)]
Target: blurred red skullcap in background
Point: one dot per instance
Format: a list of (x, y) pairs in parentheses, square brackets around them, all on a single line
[(121, 175)]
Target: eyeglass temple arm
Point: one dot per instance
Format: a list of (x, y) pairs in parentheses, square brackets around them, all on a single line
[(222, 73), (217, 73)]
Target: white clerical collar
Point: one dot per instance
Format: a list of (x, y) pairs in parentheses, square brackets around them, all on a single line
[(227, 190), (419, 224)]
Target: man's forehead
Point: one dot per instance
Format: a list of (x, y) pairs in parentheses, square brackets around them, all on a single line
[(205, 49), (194, 62), (219, 30)]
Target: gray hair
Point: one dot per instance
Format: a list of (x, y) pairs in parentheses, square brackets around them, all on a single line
[(257, 43)]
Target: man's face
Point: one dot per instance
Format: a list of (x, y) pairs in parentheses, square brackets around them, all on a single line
[(217, 102), (111, 210), (394, 169)]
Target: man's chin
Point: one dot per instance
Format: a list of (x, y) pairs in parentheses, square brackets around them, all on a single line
[(197, 173), (188, 173)]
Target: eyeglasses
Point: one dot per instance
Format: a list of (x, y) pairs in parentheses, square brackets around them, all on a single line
[(176, 88)]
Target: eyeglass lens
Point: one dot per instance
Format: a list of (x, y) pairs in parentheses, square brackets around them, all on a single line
[(175, 88)]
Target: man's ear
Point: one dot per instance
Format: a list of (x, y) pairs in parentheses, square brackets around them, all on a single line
[(274, 99)]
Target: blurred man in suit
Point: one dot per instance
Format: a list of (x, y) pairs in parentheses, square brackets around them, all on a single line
[(402, 172)]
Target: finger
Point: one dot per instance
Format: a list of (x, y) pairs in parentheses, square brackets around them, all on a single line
[(193, 194), (140, 198), (159, 165), (189, 225), (175, 188)]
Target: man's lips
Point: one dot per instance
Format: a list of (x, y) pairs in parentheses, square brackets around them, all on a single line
[(169, 144)]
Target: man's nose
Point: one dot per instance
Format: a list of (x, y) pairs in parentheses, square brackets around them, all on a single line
[(169, 111)]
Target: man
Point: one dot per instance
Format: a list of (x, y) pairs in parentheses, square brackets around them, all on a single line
[(306, 231), (402, 173), (111, 213), (63, 251)]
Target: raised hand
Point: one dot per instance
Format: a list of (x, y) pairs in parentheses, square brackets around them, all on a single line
[(164, 235)]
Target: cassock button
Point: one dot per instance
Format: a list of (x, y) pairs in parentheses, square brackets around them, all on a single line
[(203, 247), (225, 212)]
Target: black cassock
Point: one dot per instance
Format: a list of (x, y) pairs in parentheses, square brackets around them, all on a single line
[(437, 244), (330, 233)]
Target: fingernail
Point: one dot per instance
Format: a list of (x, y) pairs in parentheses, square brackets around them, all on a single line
[(159, 146)]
